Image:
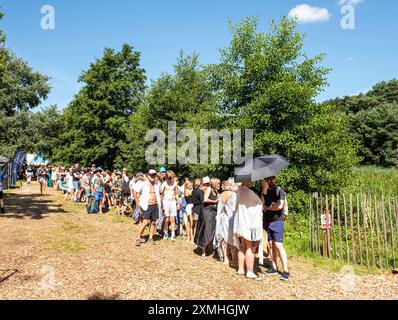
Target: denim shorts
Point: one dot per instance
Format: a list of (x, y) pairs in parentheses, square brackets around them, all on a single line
[(275, 230), (76, 185), (97, 196)]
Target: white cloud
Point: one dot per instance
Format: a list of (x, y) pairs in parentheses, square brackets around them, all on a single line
[(307, 14), (349, 2)]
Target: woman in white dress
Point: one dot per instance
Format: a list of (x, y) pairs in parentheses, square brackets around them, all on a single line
[(224, 238), (248, 229)]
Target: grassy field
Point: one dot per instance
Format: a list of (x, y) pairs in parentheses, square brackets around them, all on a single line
[(373, 180)]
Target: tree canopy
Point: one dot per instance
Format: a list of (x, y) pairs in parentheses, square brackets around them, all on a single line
[(93, 122), (373, 120)]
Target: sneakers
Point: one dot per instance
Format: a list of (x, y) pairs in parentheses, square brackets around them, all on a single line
[(271, 272), (165, 236), (173, 237), (285, 276)]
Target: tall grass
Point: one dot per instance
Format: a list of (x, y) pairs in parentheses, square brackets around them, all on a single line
[(373, 180)]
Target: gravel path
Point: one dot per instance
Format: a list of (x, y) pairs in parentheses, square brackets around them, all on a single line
[(50, 249)]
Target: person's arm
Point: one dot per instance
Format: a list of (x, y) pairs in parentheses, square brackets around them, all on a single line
[(137, 202), (177, 197), (264, 193), (207, 195), (276, 206)]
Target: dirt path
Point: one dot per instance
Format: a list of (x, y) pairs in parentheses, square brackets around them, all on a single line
[(50, 249)]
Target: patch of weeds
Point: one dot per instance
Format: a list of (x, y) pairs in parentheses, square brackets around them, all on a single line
[(68, 245)]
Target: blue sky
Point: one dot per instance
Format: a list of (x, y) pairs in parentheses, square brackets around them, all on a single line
[(159, 29)]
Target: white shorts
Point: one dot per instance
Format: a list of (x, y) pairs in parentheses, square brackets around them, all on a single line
[(169, 208), (189, 208)]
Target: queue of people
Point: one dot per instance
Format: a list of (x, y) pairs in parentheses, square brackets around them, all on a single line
[(222, 218)]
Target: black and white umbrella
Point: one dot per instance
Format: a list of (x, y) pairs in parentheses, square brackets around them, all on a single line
[(260, 168)]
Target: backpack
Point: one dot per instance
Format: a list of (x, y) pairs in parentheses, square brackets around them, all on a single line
[(125, 187), (285, 204)]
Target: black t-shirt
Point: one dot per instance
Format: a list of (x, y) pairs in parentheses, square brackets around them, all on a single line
[(189, 199), (76, 174), (273, 196)]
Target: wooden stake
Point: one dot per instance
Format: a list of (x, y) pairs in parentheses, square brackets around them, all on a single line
[(359, 231), (333, 233), (365, 229), (371, 231), (392, 232), (327, 230), (317, 224), (383, 223), (339, 227), (352, 230), (378, 233), (346, 229), (310, 221)]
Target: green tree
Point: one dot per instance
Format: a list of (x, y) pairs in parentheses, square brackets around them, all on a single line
[(184, 97), (21, 88), (113, 88), (34, 132), (373, 122), (266, 83)]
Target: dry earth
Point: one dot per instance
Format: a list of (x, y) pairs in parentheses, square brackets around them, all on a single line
[(51, 249)]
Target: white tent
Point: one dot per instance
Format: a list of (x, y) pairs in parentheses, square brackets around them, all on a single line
[(35, 159)]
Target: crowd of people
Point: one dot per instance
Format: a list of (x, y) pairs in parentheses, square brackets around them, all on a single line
[(225, 219)]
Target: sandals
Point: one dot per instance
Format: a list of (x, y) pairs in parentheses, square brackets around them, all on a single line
[(257, 278)]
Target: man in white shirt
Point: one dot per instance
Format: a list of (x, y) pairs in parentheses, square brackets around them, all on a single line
[(147, 199)]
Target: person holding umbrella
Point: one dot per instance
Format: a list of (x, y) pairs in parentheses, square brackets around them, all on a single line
[(273, 198), (249, 215)]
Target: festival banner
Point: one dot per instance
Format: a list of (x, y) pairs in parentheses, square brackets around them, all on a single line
[(17, 162)]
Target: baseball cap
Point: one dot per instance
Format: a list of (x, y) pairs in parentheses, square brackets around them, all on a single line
[(162, 169), (152, 171), (206, 180), (139, 174)]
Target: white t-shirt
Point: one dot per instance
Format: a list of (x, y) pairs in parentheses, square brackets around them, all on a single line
[(143, 190)]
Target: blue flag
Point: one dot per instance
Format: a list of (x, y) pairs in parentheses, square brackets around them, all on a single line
[(17, 162)]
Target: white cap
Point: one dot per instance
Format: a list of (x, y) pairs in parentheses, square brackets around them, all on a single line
[(206, 180)]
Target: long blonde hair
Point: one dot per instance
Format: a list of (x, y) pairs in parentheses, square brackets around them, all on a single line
[(231, 185), (188, 187)]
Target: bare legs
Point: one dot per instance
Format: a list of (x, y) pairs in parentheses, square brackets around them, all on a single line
[(246, 257), (277, 247), (151, 230)]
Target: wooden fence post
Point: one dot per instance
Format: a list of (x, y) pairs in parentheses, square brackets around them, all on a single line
[(339, 226), (352, 230), (365, 229), (334, 235), (371, 230), (378, 233), (317, 224), (310, 223), (359, 231), (327, 229), (383, 223), (392, 232), (346, 229)]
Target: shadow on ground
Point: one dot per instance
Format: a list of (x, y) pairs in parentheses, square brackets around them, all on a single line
[(31, 206)]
